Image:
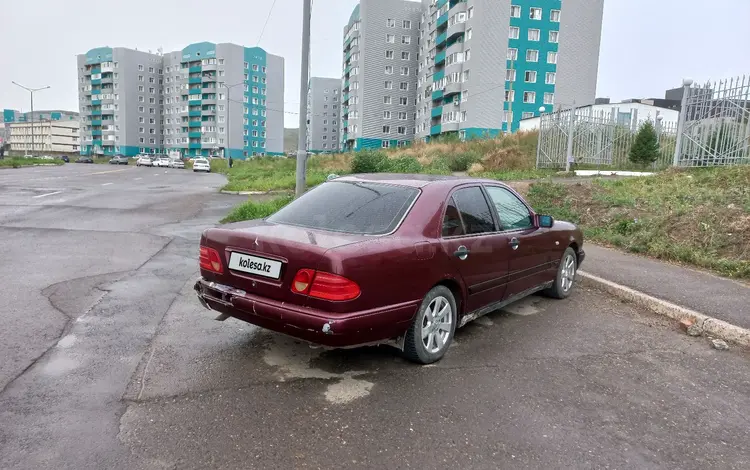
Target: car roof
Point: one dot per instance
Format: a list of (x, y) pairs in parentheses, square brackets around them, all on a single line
[(412, 180)]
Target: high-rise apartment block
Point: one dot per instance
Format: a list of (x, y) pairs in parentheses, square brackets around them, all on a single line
[(323, 114), (205, 99), (381, 48), (481, 65)]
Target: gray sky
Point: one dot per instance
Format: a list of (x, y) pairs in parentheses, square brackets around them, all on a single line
[(647, 45)]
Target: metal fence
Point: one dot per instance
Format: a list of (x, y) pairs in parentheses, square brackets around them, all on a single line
[(713, 129)]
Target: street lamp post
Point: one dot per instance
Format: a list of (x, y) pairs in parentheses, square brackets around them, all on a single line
[(31, 92), (539, 137), (229, 107)]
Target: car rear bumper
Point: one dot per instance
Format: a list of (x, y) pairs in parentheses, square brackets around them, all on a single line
[(316, 326)]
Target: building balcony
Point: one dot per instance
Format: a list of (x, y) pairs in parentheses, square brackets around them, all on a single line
[(194, 135), (97, 81), (452, 89), (449, 126), (95, 70), (195, 69), (96, 133), (437, 76), (98, 112), (442, 20), (195, 101), (96, 142), (208, 78), (194, 145), (208, 99), (96, 92), (441, 4), (194, 113), (195, 80), (456, 29), (194, 124), (435, 130), (441, 39), (437, 95), (436, 112), (440, 57), (96, 122)]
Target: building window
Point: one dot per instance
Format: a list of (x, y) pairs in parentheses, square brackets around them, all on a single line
[(140, 67), (468, 34), (550, 79), (403, 101), (389, 70), (390, 38), (405, 39), (512, 54), (141, 109), (255, 67), (141, 130), (526, 115), (404, 86), (529, 97), (510, 95), (534, 34), (141, 119), (514, 32), (532, 55), (390, 23), (386, 100), (401, 130), (467, 54), (386, 114), (549, 98), (465, 77), (535, 13), (386, 144), (140, 78), (407, 24), (554, 15), (389, 54), (515, 11), (552, 57), (141, 89), (388, 85), (471, 12), (510, 75), (554, 37), (402, 116), (530, 76), (405, 55)]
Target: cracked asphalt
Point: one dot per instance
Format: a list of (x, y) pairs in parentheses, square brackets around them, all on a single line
[(108, 361)]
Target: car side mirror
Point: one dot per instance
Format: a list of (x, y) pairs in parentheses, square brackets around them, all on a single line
[(546, 221)]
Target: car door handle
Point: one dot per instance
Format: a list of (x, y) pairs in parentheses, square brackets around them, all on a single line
[(514, 243), (461, 253)]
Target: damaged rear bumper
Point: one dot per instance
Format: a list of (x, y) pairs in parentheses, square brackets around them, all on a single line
[(316, 326)]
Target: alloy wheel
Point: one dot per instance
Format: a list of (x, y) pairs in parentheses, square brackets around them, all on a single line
[(436, 324)]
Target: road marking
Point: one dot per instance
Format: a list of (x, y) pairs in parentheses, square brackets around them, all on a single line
[(108, 171), (45, 195), (138, 179), (106, 184)]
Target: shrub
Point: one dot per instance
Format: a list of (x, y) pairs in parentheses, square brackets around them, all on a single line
[(369, 161), (645, 149), (402, 165), (463, 160)]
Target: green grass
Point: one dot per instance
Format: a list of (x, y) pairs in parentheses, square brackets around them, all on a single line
[(274, 173), (250, 210), (699, 217), (515, 175), (18, 162)]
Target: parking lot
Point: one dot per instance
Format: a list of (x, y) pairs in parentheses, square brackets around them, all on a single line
[(107, 360)]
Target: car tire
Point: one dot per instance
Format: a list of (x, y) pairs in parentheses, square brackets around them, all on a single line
[(429, 337), (566, 275)]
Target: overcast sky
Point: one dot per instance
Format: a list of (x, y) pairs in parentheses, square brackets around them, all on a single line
[(647, 45)]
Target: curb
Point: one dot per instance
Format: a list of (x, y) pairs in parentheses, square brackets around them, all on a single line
[(253, 193), (709, 325)]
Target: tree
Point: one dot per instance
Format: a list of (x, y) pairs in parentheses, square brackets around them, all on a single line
[(645, 149)]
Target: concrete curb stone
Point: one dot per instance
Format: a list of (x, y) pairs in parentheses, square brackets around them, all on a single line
[(710, 326)]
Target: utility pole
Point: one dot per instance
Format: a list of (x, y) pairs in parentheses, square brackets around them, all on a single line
[(31, 92), (571, 130), (512, 96), (304, 82)]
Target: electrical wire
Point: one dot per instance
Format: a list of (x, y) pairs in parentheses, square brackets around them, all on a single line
[(266, 23)]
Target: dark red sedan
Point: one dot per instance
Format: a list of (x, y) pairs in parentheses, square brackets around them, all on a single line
[(399, 259)]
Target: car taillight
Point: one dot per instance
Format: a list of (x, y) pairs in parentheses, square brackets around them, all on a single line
[(326, 286), (210, 260)]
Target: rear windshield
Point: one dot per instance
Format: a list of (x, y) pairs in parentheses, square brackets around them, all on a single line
[(200, 160), (350, 207)]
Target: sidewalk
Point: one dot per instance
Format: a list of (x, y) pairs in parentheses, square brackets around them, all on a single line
[(705, 293)]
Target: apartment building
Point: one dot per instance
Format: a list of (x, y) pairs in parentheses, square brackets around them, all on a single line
[(44, 136), (323, 114), (204, 99), (224, 99), (12, 116), (381, 47), (487, 64)]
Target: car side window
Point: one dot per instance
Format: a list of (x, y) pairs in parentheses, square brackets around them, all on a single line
[(452, 225), (474, 210), (512, 213)]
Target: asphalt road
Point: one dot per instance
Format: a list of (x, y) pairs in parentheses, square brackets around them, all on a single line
[(108, 361)]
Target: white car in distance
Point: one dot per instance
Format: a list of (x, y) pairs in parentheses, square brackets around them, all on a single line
[(162, 162), (201, 164), (144, 160), (176, 164)]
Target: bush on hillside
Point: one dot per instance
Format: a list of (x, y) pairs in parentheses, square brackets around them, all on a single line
[(369, 161), (461, 161), (645, 149), (402, 165)]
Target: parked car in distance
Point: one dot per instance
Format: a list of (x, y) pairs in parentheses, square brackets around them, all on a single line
[(176, 164), (394, 259), (144, 160), (161, 162), (119, 160), (85, 160), (65, 159), (201, 164)]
